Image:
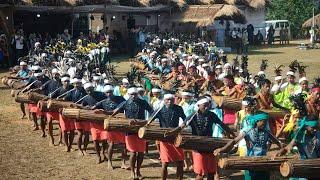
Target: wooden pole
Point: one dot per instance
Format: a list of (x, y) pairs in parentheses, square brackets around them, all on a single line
[(199, 143), (152, 133), (308, 168), (253, 163)]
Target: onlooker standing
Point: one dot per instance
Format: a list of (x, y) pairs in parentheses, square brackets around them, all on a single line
[(18, 45), (66, 36), (259, 38), (245, 42), (282, 36), (250, 30), (270, 35), (142, 39)]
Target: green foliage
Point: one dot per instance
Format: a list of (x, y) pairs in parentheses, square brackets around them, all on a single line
[(296, 11)]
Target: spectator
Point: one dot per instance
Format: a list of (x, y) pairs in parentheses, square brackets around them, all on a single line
[(259, 38), (4, 53), (245, 41), (66, 36), (271, 35), (250, 30), (17, 46)]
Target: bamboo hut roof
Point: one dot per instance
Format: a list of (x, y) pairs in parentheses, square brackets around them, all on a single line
[(308, 23), (255, 4), (230, 12), (92, 9), (204, 15)]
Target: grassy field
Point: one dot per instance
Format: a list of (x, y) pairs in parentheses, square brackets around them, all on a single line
[(25, 155)]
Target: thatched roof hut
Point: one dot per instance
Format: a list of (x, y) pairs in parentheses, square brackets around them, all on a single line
[(229, 12), (204, 15), (308, 23)]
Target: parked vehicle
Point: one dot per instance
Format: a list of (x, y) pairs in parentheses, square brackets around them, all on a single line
[(277, 25)]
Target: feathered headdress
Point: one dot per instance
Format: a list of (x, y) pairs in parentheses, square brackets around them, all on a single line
[(293, 66), (278, 70), (316, 82), (244, 63), (298, 102), (264, 64), (301, 69)]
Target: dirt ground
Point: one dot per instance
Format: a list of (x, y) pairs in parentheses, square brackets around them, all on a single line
[(25, 155)]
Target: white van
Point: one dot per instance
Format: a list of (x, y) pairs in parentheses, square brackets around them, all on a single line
[(277, 24)]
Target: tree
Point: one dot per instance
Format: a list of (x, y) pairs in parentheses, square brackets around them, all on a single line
[(296, 11)]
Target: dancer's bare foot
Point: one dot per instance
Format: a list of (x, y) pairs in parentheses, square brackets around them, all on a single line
[(123, 166), (110, 167), (133, 176), (81, 153), (23, 116), (98, 160), (36, 128), (43, 135), (105, 157), (67, 149), (51, 143), (85, 153), (139, 176)]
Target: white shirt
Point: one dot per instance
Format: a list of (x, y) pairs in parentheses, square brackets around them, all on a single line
[(19, 42), (72, 72)]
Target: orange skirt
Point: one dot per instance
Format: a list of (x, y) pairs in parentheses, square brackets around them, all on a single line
[(66, 124), (170, 153), (97, 131), (204, 163), (135, 144), (83, 125), (116, 137), (33, 108), (52, 116)]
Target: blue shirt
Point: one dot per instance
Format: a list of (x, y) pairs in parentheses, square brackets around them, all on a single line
[(310, 149), (257, 142), (110, 103), (169, 117)]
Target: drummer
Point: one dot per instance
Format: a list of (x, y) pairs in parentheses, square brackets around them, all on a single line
[(53, 85), (204, 163), (23, 73), (135, 108), (169, 116), (67, 125), (257, 136), (106, 106)]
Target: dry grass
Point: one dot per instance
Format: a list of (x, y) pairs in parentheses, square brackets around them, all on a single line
[(25, 155)]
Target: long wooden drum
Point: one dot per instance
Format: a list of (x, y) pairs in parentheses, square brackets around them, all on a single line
[(86, 115), (227, 102), (275, 114), (55, 105), (35, 97), (199, 143), (253, 163), (151, 133), (123, 125), (22, 98), (4, 80), (308, 168)]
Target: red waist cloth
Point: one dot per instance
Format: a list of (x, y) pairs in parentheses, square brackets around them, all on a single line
[(97, 131), (204, 163), (52, 116), (170, 153), (82, 125), (66, 124), (229, 116), (34, 109), (135, 144)]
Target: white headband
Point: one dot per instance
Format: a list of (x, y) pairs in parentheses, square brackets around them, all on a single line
[(203, 101), (87, 85), (168, 96), (302, 79), (155, 90), (278, 78), (187, 94), (23, 63), (63, 79), (108, 88), (290, 73), (245, 103), (132, 90)]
